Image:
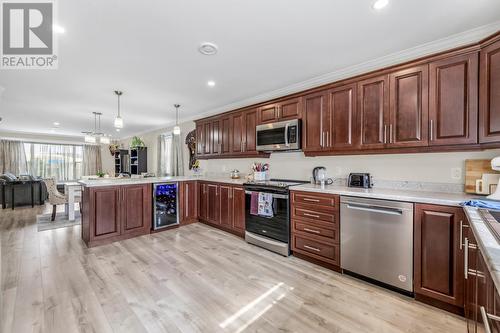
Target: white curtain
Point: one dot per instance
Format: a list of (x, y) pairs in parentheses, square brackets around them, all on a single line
[(92, 162), (64, 162), (13, 157), (176, 160), (164, 154)]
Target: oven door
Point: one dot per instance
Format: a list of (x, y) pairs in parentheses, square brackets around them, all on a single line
[(276, 227), (284, 135)]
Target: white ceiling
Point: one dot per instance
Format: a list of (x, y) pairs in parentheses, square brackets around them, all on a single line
[(148, 49)]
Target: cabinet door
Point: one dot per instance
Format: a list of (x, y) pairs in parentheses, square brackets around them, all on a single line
[(373, 108), (200, 139), (215, 142), (409, 112), (238, 210), (213, 203), (344, 132), (250, 140), (137, 209), (203, 202), (289, 109), (226, 205), (268, 113), (188, 202), (106, 213), (439, 261), (481, 292), (489, 93), (453, 100), (316, 121), (207, 145), (470, 282), (238, 128), (225, 135)]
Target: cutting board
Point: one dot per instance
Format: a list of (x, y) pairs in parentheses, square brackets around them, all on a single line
[(474, 169)]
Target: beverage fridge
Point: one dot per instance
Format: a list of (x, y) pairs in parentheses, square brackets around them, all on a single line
[(166, 205)]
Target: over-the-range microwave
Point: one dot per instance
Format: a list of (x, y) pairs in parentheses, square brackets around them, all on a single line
[(283, 135)]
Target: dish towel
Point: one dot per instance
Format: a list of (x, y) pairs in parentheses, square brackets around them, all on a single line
[(265, 204), (254, 203), (482, 203)]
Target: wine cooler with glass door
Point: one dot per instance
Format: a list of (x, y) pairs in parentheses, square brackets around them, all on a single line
[(166, 205)]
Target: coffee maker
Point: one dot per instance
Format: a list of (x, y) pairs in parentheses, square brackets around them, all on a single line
[(319, 176)]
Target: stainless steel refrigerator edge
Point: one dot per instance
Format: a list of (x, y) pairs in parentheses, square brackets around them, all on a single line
[(376, 238)]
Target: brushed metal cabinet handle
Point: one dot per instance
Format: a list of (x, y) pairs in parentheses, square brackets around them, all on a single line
[(385, 134), (432, 130), (312, 200), (466, 257), (312, 248), (327, 139), (486, 316), (312, 230), (311, 215), (390, 133)]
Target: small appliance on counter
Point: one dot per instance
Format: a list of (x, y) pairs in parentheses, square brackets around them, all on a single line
[(319, 176), (235, 174), (166, 205), (361, 180)]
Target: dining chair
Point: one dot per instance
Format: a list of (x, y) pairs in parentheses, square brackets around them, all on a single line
[(56, 197)]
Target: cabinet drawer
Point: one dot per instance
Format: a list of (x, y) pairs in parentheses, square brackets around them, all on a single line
[(328, 251), (304, 213), (316, 230), (316, 199)]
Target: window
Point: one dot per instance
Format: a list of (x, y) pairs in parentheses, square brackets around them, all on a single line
[(64, 162), (164, 156)]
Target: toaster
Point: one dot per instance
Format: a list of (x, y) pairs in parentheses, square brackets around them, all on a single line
[(361, 180)]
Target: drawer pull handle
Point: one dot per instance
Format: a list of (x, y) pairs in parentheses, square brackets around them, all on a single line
[(312, 248), (312, 230), (311, 215), (312, 200)]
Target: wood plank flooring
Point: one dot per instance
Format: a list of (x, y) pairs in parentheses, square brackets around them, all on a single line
[(191, 279)]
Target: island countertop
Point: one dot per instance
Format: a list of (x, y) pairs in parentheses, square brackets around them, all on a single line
[(153, 180)]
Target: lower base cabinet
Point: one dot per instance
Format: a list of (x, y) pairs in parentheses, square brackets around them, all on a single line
[(112, 213), (439, 256), (188, 202), (223, 206)]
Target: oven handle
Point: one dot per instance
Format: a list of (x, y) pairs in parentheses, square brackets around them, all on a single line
[(277, 196)]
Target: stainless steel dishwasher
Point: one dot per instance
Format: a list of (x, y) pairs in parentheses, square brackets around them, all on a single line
[(376, 238)]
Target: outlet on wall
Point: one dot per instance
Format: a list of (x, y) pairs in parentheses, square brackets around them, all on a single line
[(456, 173)]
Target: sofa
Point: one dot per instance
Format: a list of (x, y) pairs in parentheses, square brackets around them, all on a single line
[(17, 191)]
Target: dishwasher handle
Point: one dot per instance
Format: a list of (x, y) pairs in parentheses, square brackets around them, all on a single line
[(375, 209)]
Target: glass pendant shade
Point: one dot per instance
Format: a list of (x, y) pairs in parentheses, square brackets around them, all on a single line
[(104, 140), (89, 138), (177, 130), (118, 122)]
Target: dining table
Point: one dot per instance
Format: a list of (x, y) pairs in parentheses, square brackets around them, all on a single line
[(72, 190)]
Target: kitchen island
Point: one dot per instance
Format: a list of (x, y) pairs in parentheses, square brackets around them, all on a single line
[(119, 208)]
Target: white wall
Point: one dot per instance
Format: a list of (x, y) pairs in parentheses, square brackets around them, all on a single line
[(425, 167), (108, 163)]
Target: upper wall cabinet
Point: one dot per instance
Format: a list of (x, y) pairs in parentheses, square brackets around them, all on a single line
[(489, 92), (408, 104), (373, 108), (316, 121), (284, 110), (453, 100)]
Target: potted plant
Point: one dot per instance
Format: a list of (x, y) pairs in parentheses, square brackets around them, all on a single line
[(137, 142)]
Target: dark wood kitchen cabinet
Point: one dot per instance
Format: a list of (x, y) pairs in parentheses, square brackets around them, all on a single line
[(225, 135), (200, 138), (453, 100), (316, 121), (438, 256), (238, 132), (188, 202), (202, 201), (489, 91), (226, 205), (373, 108), (243, 133), (238, 210), (216, 137), (112, 213), (280, 111), (213, 203), (408, 107)]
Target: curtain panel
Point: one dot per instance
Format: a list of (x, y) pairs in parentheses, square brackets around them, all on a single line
[(13, 157), (92, 162), (176, 159), (164, 148), (47, 160)]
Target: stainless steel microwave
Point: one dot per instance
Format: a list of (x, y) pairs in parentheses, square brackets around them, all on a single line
[(283, 135)]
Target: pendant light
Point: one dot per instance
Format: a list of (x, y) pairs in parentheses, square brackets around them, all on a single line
[(177, 129), (118, 119), (96, 136)]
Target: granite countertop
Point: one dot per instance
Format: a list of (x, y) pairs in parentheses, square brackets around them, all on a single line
[(436, 198), (487, 243), (153, 180)]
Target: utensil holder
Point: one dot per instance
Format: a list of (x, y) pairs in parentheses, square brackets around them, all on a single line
[(259, 175)]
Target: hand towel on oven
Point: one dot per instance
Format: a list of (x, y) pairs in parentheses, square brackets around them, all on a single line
[(266, 204), (254, 203)]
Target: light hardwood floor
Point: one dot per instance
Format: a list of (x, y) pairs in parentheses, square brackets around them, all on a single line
[(191, 279)]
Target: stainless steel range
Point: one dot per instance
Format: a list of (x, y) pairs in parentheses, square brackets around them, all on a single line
[(267, 217)]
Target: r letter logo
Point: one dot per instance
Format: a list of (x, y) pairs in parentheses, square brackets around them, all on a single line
[(27, 35)]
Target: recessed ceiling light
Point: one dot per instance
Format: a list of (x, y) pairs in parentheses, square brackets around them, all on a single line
[(207, 48), (211, 83), (379, 4), (56, 123), (117, 129), (58, 29)]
